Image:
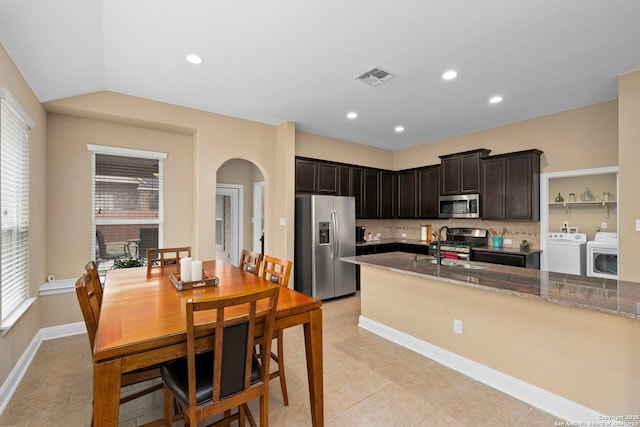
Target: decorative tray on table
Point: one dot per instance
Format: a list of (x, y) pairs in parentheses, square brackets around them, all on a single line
[(207, 280)]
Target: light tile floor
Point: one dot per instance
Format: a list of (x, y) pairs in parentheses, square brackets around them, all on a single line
[(368, 381)]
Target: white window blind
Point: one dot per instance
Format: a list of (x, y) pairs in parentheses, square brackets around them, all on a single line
[(127, 203), (14, 204)]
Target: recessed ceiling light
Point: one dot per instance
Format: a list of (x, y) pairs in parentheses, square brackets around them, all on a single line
[(194, 59), (352, 115), (399, 129), (450, 75), (495, 99)]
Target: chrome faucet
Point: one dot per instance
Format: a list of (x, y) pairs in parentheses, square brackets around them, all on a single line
[(438, 254)]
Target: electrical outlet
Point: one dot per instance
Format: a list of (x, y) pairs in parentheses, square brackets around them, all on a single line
[(457, 326), (603, 225), (404, 235), (507, 241)]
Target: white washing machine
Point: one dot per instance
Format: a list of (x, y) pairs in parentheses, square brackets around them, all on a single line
[(602, 256), (566, 253)]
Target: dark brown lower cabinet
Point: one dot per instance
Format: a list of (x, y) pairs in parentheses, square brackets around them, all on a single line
[(522, 259)]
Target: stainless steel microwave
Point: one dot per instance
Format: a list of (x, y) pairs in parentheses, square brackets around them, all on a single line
[(460, 206)]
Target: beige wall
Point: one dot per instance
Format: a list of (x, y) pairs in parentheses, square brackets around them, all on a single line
[(13, 344), (587, 357), (215, 139), (336, 150), (582, 138), (69, 185), (629, 158)]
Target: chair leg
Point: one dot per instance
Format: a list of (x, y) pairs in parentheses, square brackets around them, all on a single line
[(283, 380), (168, 407), (241, 415)]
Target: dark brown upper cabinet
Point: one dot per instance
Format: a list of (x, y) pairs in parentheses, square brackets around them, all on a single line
[(387, 194), (406, 194), (371, 199), (511, 188), (460, 172), (344, 180), (428, 180), (357, 190), (327, 178), (306, 176)]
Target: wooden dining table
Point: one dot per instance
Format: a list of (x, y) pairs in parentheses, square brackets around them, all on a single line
[(143, 323)]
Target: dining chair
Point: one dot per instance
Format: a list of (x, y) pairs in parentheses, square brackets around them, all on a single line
[(148, 239), (250, 261), (92, 270), (277, 271), (90, 307), (158, 257), (223, 373), (104, 254)]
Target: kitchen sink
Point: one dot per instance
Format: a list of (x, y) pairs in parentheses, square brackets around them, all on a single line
[(444, 262), (450, 263), (474, 266)]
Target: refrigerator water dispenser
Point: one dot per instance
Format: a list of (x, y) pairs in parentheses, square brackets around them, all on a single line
[(323, 231)]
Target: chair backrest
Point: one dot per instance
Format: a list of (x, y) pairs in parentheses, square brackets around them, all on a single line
[(276, 270), (157, 257), (102, 246), (87, 297), (234, 340), (250, 261), (148, 240), (92, 271)]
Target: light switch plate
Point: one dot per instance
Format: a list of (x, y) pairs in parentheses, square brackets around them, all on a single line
[(637, 224), (282, 221)]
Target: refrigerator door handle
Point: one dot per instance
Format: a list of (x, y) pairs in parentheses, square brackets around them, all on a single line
[(334, 232), (337, 232)]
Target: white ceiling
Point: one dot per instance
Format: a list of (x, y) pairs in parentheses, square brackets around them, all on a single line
[(278, 60)]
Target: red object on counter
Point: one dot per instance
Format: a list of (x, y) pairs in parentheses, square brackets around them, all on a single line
[(450, 255)]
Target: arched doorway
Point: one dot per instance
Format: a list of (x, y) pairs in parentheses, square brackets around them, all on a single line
[(239, 208)]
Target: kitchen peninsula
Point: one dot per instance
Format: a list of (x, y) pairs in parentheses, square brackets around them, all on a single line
[(567, 344)]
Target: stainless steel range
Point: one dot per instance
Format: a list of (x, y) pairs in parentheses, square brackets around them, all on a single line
[(459, 241)]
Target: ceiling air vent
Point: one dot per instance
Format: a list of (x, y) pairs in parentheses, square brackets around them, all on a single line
[(374, 77)]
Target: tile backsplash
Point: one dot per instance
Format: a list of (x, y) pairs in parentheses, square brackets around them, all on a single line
[(395, 228)]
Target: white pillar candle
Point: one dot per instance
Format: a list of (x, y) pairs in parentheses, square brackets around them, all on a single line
[(185, 269), (196, 270)]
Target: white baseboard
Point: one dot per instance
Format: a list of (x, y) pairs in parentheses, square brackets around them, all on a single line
[(535, 396), (15, 376)]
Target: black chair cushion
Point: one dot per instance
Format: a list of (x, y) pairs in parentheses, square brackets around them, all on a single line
[(175, 373)]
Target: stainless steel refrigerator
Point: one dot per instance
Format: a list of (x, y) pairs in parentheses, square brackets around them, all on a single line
[(324, 232)]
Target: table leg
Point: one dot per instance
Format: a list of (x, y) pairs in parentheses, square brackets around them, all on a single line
[(106, 393), (313, 347)]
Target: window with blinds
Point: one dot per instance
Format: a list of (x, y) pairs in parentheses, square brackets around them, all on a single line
[(127, 204), (14, 204)]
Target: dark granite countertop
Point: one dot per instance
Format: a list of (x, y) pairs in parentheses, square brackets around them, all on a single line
[(504, 249), (392, 240), (616, 297)]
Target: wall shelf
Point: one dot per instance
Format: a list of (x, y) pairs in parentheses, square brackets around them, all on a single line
[(569, 205)]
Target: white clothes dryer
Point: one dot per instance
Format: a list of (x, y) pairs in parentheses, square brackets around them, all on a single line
[(602, 256)]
